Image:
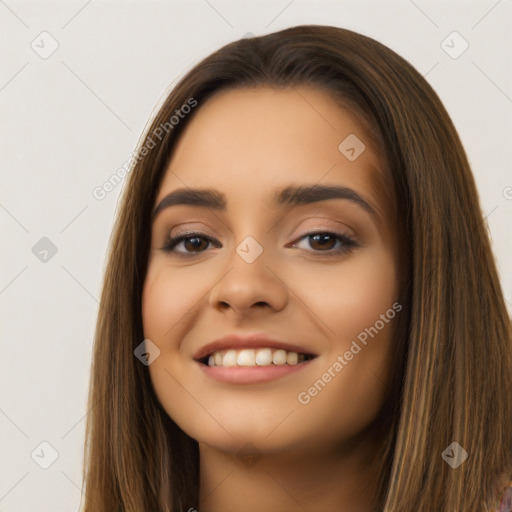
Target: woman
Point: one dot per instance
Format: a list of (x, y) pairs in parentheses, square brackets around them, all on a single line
[(237, 366)]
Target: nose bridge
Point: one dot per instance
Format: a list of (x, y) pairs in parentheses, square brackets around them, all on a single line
[(249, 280), (251, 229), (250, 250)]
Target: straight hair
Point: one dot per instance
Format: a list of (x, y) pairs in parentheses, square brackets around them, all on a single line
[(453, 370)]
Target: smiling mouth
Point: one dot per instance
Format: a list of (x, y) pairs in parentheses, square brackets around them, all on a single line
[(255, 357)]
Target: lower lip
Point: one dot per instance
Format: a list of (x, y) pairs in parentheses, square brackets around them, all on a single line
[(250, 374)]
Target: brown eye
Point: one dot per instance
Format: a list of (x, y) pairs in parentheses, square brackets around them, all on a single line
[(320, 242), (193, 243), (325, 242)]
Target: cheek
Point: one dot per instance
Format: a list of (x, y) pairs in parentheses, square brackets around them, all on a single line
[(369, 290), (351, 296), (355, 302), (341, 300), (169, 303), (167, 298)]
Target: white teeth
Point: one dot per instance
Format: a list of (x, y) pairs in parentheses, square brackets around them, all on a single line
[(263, 356), (279, 357), (254, 357), (229, 358), (246, 358), (292, 358)]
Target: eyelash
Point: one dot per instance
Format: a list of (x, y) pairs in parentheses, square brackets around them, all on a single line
[(349, 244)]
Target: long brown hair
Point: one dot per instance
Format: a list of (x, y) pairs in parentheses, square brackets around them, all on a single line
[(453, 378)]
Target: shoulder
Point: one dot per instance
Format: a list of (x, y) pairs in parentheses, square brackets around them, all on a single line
[(505, 500)]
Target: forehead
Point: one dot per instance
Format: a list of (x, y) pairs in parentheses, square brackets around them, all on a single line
[(250, 142)]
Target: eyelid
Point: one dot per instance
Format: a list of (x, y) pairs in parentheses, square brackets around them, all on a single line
[(330, 225), (349, 244), (194, 225), (346, 230)]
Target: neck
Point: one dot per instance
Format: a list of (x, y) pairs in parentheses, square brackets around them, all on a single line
[(342, 481)]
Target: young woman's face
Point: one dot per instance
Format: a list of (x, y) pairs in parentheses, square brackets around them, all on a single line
[(318, 275)]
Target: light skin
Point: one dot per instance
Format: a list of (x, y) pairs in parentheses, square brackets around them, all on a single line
[(247, 144)]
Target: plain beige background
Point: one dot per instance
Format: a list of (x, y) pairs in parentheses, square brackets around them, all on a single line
[(72, 118)]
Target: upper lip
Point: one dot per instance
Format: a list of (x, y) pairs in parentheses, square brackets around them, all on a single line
[(253, 340)]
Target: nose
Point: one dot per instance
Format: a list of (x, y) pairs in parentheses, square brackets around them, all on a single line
[(248, 284)]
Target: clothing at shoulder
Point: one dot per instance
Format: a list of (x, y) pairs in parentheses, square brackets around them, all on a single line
[(505, 503)]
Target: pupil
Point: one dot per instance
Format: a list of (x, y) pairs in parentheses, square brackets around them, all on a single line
[(193, 243), (322, 239)]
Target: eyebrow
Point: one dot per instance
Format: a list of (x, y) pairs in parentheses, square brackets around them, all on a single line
[(292, 195)]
